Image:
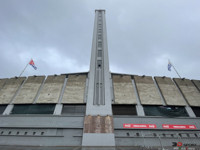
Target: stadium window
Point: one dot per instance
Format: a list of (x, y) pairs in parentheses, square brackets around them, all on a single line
[(165, 111), (33, 109), (124, 110), (74, 109), (196, 111), (2, 108)]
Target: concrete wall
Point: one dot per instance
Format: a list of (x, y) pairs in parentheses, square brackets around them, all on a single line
[(150, 137), (147, 91), (2, 83), (75, 89), (170, 92), (29, 90), (51, 90), (10, 89), (189, 91), (37, 130), (123, 90)]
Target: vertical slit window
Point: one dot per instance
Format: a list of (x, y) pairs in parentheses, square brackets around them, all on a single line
[(99, 44), (99, 53), (99, 37)]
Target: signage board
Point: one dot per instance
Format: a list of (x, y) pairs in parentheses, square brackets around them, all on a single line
[(141, 126), (178, 126)]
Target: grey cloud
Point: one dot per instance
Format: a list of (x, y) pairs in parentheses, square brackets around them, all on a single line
[(142, 36)]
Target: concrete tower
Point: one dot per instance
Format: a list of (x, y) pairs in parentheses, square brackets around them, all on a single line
[(99, 96)]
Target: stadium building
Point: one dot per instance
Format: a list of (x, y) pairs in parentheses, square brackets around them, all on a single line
[(99, 109)]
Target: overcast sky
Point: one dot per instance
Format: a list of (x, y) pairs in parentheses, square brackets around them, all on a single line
[(142, 36)]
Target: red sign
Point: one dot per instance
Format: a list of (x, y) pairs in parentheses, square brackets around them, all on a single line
[(178, 126), (144, 126)]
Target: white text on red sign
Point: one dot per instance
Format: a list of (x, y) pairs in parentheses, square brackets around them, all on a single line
[(179, 126), (144, 126)]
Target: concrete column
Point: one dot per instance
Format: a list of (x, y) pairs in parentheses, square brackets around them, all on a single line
[(8, 109), (139, 107), (187, 107), (58, 109)]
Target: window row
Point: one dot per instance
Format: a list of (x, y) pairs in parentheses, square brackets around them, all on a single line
[(69, 109), (79, 109), (163, 135), (22, 133), (163, 111)]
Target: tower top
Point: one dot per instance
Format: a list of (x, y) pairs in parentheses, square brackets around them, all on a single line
[(100, 10)]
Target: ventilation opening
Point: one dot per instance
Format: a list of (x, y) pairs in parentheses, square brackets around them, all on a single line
[(137, 134), (33, 109), (99, 62), (74, 109), (124, 110), (166, 111)]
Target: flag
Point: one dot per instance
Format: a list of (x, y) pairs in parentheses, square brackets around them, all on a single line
[(32, 64), (169, 66)]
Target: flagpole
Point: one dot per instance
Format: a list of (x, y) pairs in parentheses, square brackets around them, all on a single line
[(175, 69), (24, 69)]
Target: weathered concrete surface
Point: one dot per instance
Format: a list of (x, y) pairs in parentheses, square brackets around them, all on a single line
[(147, 91), (2, 83), (29, 90), (98, 124), (51, 90), (75, 89), (170, 92), (197, 83), (123, 90), (189, 91), (9, 90)]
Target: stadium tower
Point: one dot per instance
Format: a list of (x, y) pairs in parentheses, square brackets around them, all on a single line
[(98, 122)]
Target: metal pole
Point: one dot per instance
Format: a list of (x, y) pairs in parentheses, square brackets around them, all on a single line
[(23, 70), (175, 69), (160, 142)]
